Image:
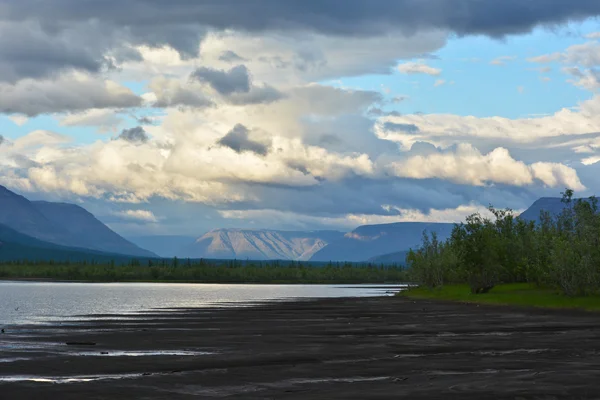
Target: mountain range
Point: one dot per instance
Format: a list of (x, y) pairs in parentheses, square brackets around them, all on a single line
[(62, 231), (260, 244), (62, 224)]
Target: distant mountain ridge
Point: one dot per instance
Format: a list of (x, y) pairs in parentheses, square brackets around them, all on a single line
[(369, 241), (62, 224), (261, 244), (16, 246), (553, 205), (164, 245)]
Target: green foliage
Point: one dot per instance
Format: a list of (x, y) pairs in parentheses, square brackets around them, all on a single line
[(518, 294), (560, 252), (226, 271)]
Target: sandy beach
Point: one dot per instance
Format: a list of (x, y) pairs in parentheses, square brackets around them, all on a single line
[(348, 348)]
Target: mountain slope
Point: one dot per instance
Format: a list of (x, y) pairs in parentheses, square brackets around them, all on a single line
[(63, 224), (21, 215), (368, 241), (553, 205), (15, 246), (398, 257), (259, 244), (163, 245), (85, 230)]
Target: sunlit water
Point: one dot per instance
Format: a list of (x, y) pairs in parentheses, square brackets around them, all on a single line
[(38, 302)]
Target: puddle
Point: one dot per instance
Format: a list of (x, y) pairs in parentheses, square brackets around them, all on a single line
[(64, 379), (9, 360), (336, 380), (142, 353), (482, 372), (517, 351)]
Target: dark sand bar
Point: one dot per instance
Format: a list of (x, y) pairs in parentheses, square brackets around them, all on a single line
[(357, 348)]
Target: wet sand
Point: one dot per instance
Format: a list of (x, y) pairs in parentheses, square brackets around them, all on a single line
[(357, 348)]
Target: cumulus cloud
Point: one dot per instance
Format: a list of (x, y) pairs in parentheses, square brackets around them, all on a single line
[(587, 79), (134, 135), (418, 68), (236, 80), (468, 166), (66, 93), (238, 139), (102, 119), (446, 129), (174, 93), (392, 214), (583, 64), (137, 215), (230, 56)]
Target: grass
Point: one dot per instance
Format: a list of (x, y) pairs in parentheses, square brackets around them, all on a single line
[(518, 294)]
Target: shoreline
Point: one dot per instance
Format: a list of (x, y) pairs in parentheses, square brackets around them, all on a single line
[(46, 280), (342, 348)]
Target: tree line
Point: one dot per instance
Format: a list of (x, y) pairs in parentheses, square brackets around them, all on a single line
[(204, 271), (560, 251)]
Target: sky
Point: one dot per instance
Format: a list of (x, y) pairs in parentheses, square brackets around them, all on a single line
[(177, 117)]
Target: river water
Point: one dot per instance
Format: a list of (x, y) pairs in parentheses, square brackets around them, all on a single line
[(39, 302)]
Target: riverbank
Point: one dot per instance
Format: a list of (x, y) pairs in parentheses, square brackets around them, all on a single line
[(519, 294), (350, 348)]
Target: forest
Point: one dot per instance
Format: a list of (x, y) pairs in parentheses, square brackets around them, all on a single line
[(203, 271), (559, 251)]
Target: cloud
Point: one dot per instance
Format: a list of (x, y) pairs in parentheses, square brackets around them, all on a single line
[(19, 120), (418, 68), (231, 57), (546, 58), (42, 41), (39, 139), (67, 93), (236, 80), (468, 166), (137, 215), (357, 17), (588, 79), (103, 119), (395, 127), (503, 60), (238, 139), (444, 130), (439, 82), (174, 93), (593, 35), (134, 135), (393, 214), (2, 140)]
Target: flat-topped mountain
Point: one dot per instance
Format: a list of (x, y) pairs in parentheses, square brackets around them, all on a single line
[(259, 244)]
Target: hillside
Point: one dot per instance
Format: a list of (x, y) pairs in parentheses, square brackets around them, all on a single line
[(368, 241), (85, 230), (554, 205), (398, 257), (63, 224), (15, 246), (259, 244)]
